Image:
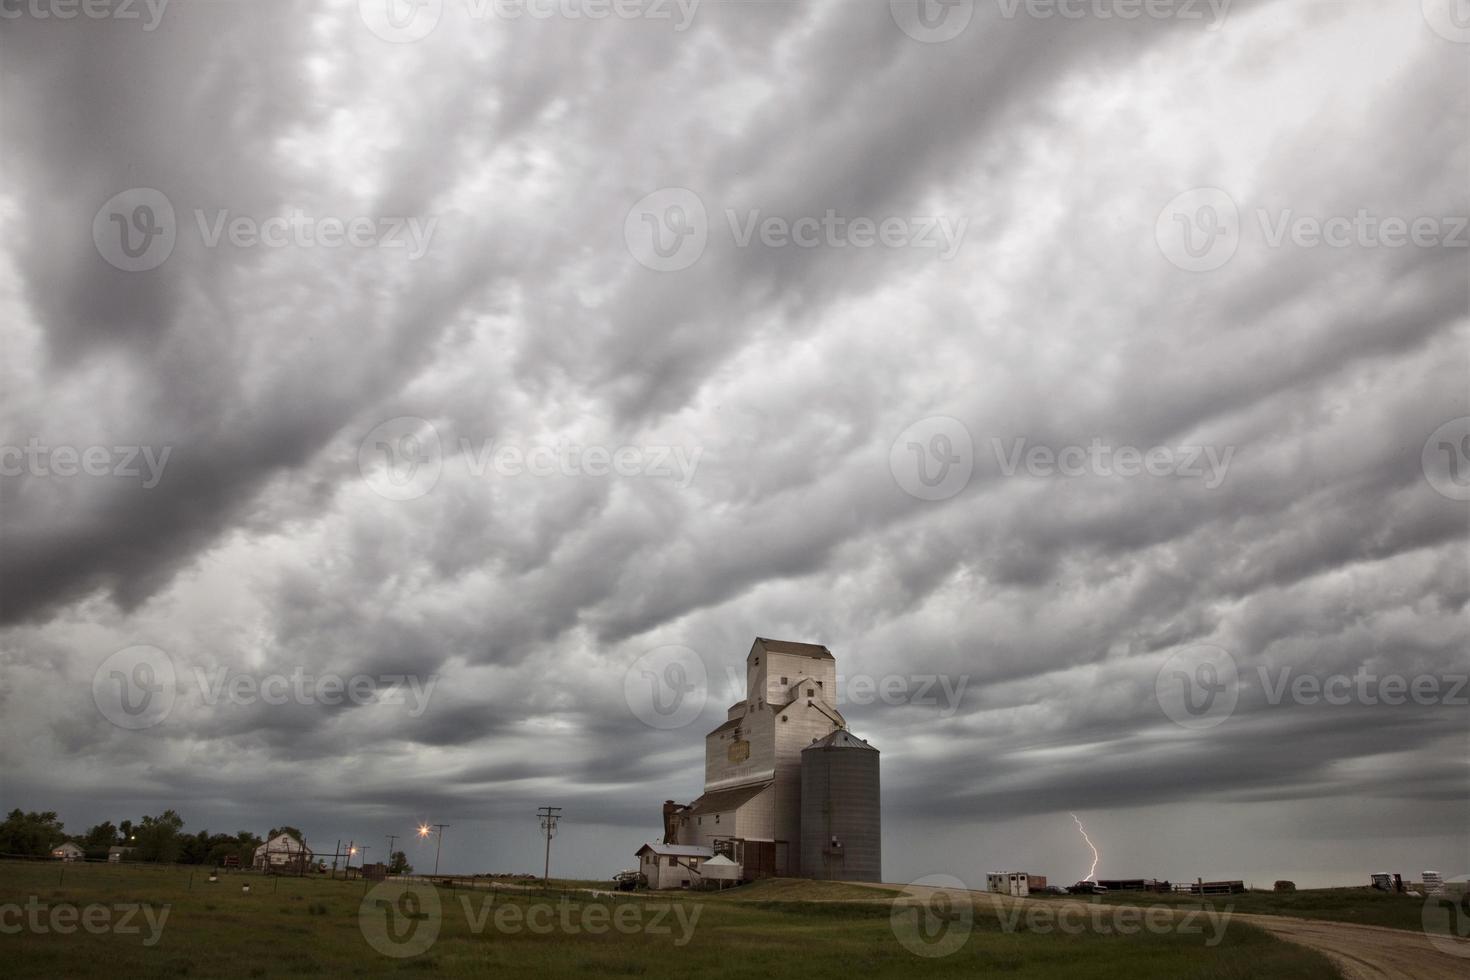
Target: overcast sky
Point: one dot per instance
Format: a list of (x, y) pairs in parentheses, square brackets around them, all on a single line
[(1097, 378)]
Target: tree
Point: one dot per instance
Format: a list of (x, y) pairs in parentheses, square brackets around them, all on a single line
[(31, 834), (100, 837), (286, 830), (158, 838), (398, 864)]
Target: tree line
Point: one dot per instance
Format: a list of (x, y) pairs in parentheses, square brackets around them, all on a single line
[(159, 839)]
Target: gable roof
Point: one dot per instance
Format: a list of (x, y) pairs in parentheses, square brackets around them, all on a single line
[(724, 800), (814, 650), (678, 850)]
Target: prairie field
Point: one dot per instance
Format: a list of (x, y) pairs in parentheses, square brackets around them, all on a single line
[(134, 921)]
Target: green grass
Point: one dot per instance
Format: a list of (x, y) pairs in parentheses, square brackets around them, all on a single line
[(310, 927), (1361, 906)]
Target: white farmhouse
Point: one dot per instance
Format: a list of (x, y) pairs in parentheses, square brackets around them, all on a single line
[(673, 865)]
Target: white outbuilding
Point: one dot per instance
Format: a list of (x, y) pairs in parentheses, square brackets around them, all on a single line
[(282, 852), (673, 865)]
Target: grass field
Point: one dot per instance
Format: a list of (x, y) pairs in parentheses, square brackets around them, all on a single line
[(1361, 906), (304, 927)]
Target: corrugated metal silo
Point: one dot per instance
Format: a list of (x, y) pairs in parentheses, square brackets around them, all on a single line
[(841, 827)]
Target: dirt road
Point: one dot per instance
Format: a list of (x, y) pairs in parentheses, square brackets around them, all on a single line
[(1360, 952)]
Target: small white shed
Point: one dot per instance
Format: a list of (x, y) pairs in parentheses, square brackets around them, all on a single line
[(720, 869)]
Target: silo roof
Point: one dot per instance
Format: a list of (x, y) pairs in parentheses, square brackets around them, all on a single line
[(840, 739), (814, 650)]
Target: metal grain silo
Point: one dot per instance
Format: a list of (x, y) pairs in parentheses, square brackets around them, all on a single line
[(841, 830)]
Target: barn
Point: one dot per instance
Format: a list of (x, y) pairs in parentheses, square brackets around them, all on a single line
[(282, 852)]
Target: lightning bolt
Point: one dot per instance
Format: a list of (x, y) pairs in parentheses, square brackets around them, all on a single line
[(1092, 870)]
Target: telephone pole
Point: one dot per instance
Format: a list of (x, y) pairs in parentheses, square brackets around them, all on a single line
[(439, 844), (549, 815), (391, 839)]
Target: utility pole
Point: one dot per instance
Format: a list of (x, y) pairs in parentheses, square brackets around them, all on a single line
[(549, 815), (438, 845), (391, 839)]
